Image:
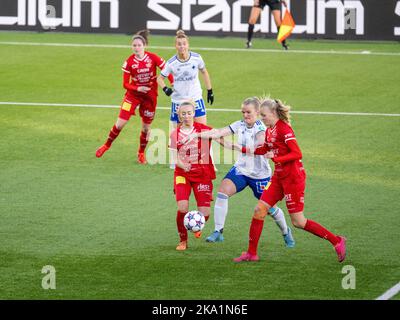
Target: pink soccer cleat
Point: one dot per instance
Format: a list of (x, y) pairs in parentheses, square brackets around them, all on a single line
[(247, 257), (340, 249), (100, 151)]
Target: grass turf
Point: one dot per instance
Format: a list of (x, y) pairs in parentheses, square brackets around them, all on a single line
[(108, 225)]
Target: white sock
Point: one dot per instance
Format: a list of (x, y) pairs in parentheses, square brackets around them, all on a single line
[(220, 211), (279, 218)]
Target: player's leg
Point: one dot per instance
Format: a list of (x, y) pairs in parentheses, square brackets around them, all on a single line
[(277, 13), (294, 195), (254, 14), (126, 111), (203, 194), (268, 199), (147, 112), (182, 189), (231, 184), (276, 213)]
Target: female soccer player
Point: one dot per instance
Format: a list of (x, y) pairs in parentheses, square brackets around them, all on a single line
[(139, 80), (248, 171), (275, 7), (194, 169), (185, 67), (288, 181)]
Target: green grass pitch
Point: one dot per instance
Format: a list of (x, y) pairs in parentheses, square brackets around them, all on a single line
[(108, 225)]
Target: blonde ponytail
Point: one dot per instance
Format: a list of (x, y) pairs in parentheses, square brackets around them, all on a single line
[(277, 106)]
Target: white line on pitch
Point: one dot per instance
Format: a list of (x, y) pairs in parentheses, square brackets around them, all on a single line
[(88, 45), (390, 293), (39, 104)]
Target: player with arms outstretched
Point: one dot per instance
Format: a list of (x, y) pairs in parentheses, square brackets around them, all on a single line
[(139, 80), (194, 169), (288, 181)]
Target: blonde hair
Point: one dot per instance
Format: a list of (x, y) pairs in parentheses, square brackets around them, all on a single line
[(180, 34), (253, 101), (187, 103), (142, 35), (276, 106)]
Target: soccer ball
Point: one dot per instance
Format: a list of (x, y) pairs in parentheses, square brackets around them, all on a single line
[(194, 221)]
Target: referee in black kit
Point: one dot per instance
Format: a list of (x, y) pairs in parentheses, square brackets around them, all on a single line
[(275, 7)]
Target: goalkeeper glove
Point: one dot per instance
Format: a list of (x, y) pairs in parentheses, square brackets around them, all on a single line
[(210, 96)]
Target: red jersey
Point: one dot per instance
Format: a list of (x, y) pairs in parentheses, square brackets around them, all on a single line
[(143, 71), (195, 152), (277, 139)]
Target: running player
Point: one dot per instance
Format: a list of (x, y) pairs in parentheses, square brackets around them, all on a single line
[(248, 171), (275, 7), (139, 80), (288, 181), (194, 169)]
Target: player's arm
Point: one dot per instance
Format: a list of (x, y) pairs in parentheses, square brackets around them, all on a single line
[(160, 63), (294, 153), (260, 150), (210, 134), (207, 82), (176, 159), (161, 82)]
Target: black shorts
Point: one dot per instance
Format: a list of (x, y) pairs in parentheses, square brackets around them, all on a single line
[(272, 4)]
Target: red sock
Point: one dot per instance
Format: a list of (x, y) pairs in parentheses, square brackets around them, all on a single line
[(315, 228), (114, 132), (143, 141), (254, 235), (181, 227)]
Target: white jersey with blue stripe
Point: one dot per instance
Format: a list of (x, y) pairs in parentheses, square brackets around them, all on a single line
[(252, 166), (186, 77)]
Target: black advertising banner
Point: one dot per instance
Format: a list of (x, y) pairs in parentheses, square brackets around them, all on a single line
[(325, 19)]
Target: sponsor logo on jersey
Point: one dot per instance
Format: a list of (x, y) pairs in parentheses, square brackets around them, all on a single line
[(143, 70), (135, 66)]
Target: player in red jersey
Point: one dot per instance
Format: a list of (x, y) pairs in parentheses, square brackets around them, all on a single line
[(194, 169), (288, 181), (139, 80)]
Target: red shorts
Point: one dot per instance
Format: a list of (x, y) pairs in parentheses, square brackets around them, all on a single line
[(202, 190), (292, 191), (147, 107)]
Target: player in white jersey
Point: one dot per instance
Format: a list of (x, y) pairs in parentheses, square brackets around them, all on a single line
[(185, 67), (248, 170)]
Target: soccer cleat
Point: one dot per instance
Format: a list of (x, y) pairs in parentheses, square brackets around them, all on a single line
[(100, 151), (247, 257), (340, 249), (216, 236), (197, 234), (141, 158), (249, 44), (182, 246), (288, 238)]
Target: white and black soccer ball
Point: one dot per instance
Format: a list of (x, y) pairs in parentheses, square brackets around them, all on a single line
[(194, 221)]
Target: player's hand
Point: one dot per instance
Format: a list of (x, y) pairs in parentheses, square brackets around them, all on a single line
[(284, 3), (143, 89), (168, 91), (269, 155), (210, 96)]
